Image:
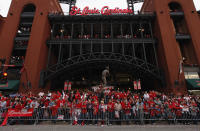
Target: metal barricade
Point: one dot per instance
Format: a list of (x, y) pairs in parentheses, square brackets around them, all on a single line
[(2, 114), (76, 116), (54, 115)]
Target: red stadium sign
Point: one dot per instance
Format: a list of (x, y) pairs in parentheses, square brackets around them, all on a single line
[(17, 113), (104, 11)]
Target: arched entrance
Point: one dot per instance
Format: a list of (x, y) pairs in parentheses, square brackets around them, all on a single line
[(85, 71), (80, 48)]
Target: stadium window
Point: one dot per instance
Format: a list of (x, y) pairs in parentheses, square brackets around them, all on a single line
[(175, 7), (29, 8)]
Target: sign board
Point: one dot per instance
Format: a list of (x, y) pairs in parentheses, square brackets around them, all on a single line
[(105, 10)]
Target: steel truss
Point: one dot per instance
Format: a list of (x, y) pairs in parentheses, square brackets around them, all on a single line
[(72, 62), (67, 64), (79, 60)]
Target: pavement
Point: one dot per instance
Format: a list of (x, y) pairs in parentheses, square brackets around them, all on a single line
[(101, 128)]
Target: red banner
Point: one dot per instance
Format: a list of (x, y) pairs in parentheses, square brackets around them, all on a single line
[(135, 85), (65, 86), (139, 85), (69, 86), (22, 113), (17, 113)]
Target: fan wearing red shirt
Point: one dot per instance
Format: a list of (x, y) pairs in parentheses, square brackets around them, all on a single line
[(83, 112), (123, 104), (171, 106), (46, 103), (54, 110), (127, 110), (110, 108), (68, 109), (78, 96), (7, 102), (18, 106), (136, 97), (117, 95), (59, 105), (94, 97), (146, 110), (152, 110), (78, 110), (95, 111), (151, 103), (152, 94), (157, 111)]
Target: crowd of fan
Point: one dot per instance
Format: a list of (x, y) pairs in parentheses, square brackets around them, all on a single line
[(89, 107)]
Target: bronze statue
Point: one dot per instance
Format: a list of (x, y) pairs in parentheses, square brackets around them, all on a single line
[(105, 73)]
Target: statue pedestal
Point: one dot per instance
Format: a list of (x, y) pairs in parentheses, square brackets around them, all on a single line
[(97, 87)]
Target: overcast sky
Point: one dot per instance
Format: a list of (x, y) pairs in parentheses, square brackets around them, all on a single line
[(4, 5)]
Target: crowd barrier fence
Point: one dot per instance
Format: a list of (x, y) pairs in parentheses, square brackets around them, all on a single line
[(101, 117)]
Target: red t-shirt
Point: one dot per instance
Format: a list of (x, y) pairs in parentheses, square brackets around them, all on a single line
[(83, 108), (136, 96), (127, 108), (111, 106), (152, 94), (151, 103), (123, 105), (46, 103), (7, 103), (95, 97), (58, 103), (77, 96), (78, 106), (146, 108), (96, 109), (54, 110)]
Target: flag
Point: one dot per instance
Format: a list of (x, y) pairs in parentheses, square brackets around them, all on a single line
[(65, 85), (135, 85), (69, 86), (139, 85)]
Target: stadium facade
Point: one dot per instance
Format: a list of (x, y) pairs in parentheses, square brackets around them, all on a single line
[(160, 45)]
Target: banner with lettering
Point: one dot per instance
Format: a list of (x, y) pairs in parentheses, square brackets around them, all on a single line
[(17, 113)]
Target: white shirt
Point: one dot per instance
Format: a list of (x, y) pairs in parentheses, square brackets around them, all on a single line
[(146, 96), (3, 104)]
